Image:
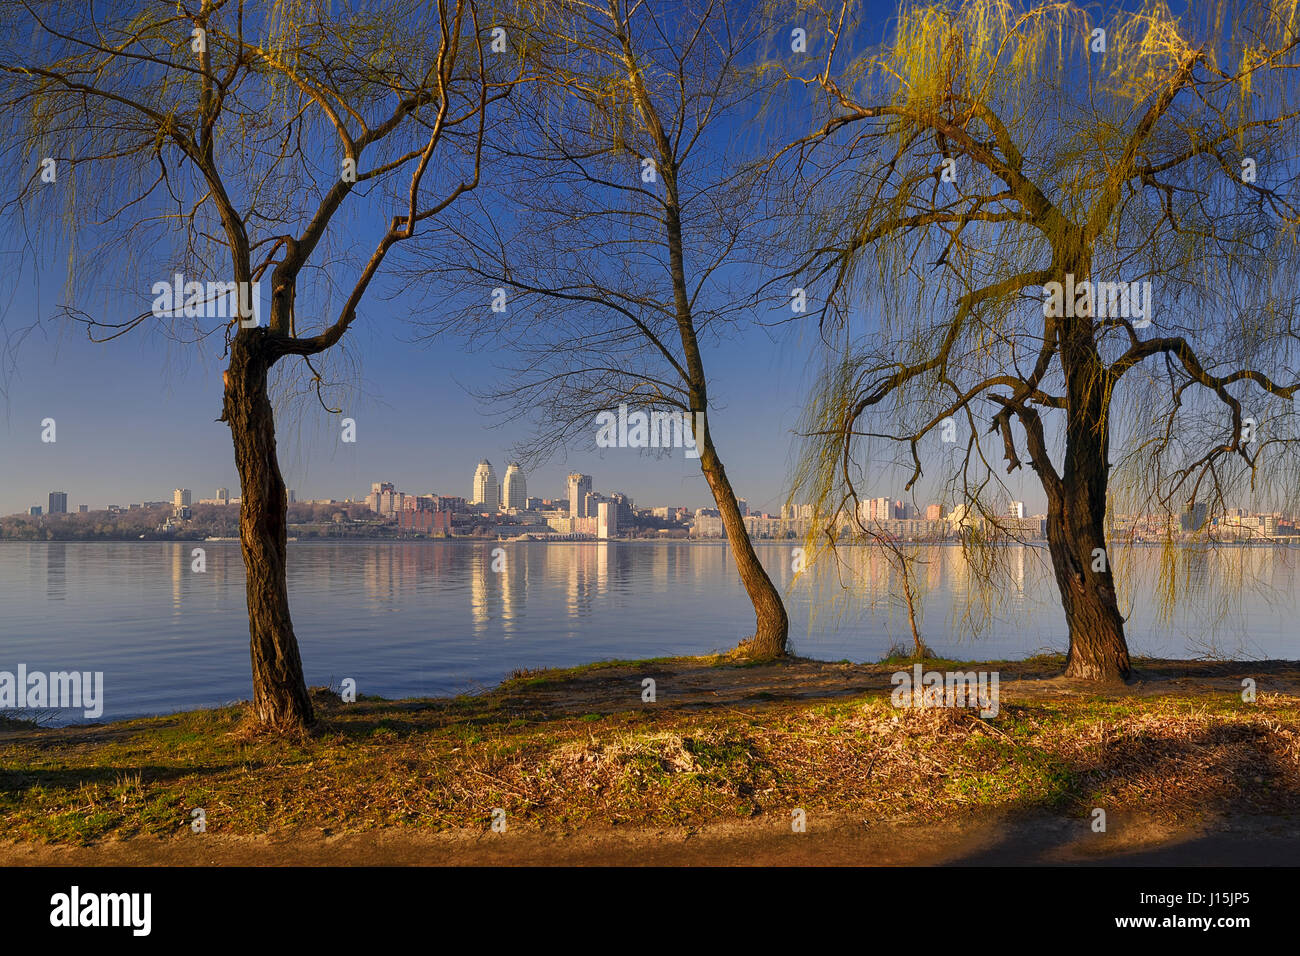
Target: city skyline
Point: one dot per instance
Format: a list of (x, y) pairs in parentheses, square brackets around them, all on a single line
[(580, 500)]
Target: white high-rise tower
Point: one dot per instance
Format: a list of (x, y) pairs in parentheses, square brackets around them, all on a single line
[(514, 489), (579, 487), (487, 494)]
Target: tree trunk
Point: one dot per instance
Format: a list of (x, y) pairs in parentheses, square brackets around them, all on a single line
[(1098, 650), (1076, 514), (772, 627), (918, 645), (280, 700)]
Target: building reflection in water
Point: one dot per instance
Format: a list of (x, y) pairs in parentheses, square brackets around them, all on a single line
[(180, 567), (56, 570)]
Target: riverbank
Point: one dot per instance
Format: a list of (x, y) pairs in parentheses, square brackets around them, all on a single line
[(585, 768)]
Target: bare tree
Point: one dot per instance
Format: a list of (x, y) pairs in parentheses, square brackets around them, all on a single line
[(904, 560), (615, 227), (225, 138), (1068, 234)]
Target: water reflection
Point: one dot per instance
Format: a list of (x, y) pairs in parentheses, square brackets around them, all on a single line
[(56, 570), (433, 617)]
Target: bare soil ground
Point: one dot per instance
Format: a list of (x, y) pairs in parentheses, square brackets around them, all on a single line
[(990, 841)]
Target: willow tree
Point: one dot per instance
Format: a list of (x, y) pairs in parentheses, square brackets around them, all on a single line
[(1075, 237), (232, 142), (615, 240)]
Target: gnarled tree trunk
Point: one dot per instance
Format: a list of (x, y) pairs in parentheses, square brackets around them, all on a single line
[(772, 626), (280, 699), (1098, 650), (1076, 514)]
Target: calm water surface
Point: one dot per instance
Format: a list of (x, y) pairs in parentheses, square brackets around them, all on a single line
[(433, 618)]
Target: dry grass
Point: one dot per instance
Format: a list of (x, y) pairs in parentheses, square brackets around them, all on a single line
[(447, 764)]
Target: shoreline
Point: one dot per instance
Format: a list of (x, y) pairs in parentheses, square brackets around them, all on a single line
[(1039, 663)]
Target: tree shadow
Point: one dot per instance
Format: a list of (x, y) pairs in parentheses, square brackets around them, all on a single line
[(1229, 795)]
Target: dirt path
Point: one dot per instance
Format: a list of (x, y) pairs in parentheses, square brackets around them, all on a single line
[(1038, 840)]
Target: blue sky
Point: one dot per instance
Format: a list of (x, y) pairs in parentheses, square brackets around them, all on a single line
[(136, 417)]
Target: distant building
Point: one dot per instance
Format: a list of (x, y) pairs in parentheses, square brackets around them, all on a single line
[(796, 512), (743, 505), (381, 497), (767, 526), (58, 502), (514, 489), (1016, 509), (560, 523), (35, 511), (534, 504), (934, 512), (579, 488), (872, 510), (83, 509), (424, 521), (181, 498), (963, 516), (1193, 517), (222, 498), (626, 511), (606, 520), (707, 525), (451, 503), (487, 493)]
